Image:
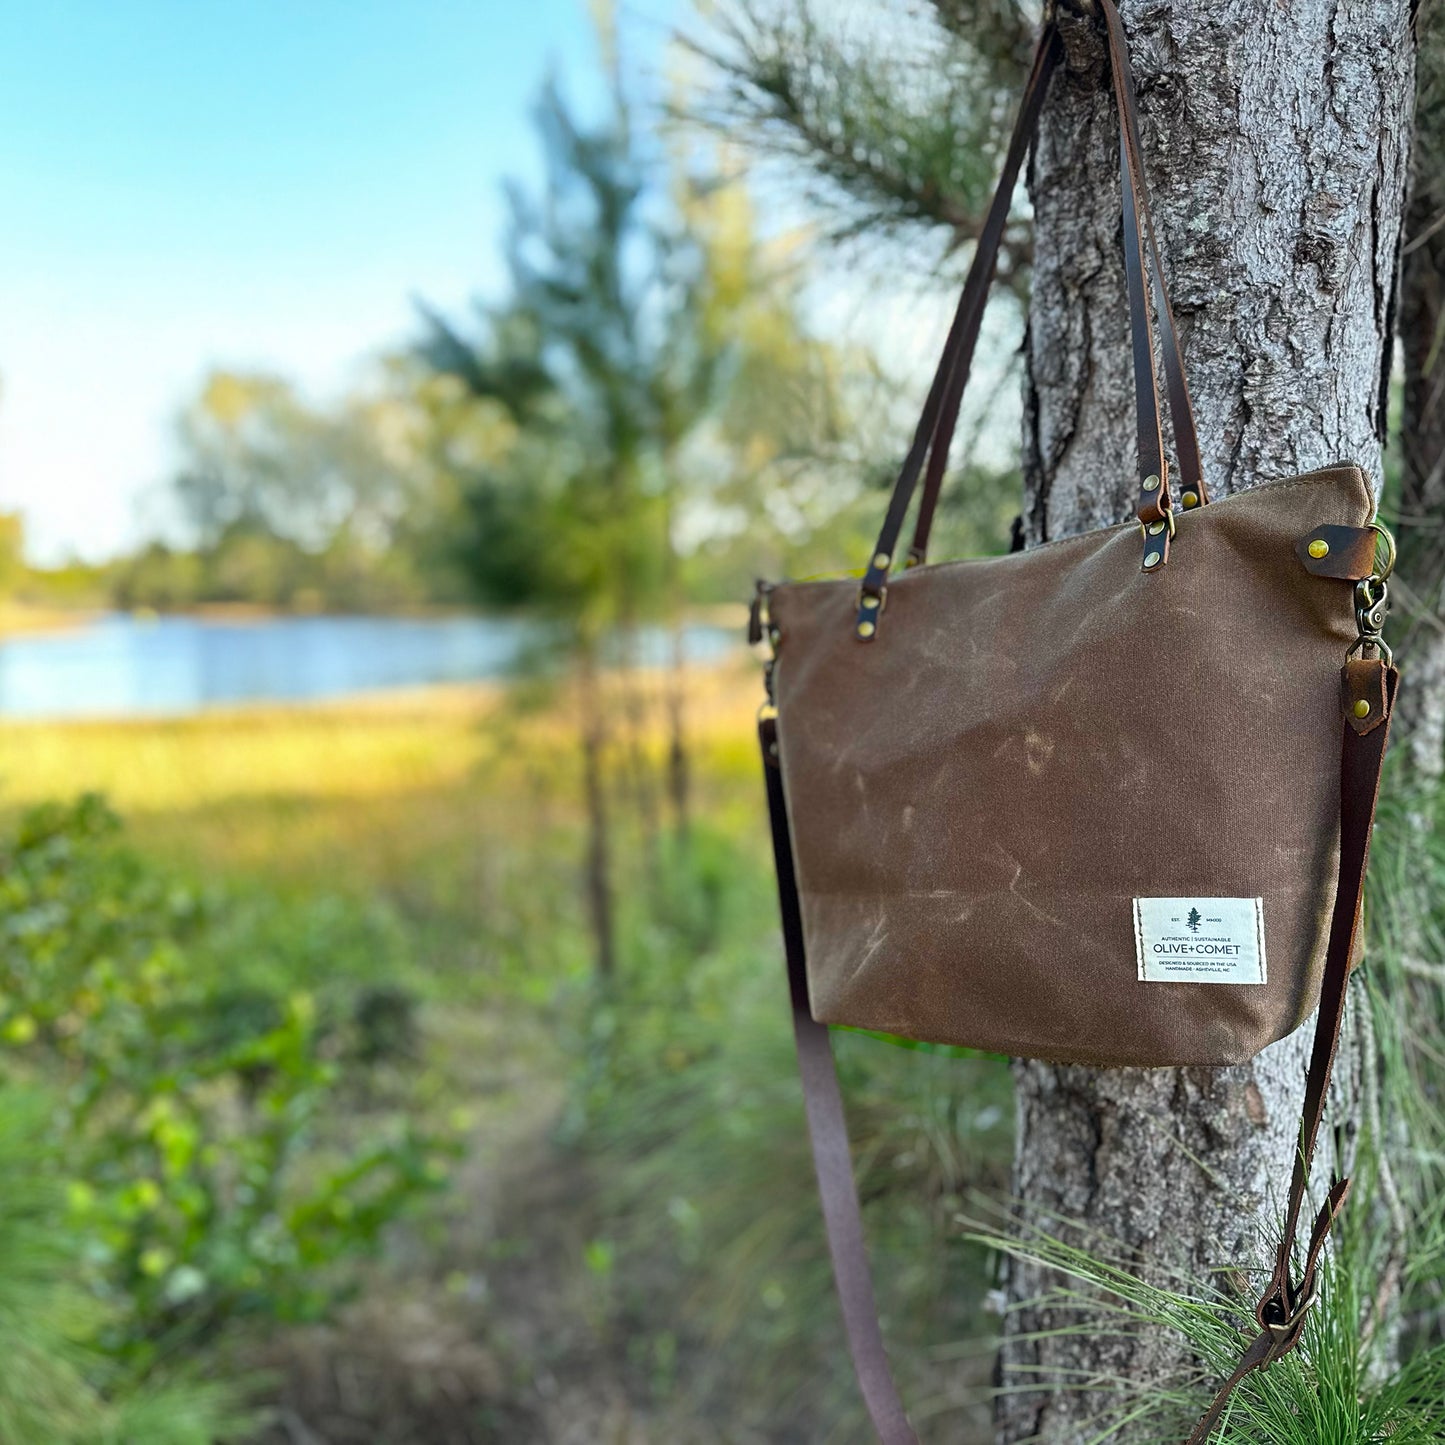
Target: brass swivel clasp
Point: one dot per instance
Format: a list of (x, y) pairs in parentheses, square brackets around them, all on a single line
[(1372, 602)]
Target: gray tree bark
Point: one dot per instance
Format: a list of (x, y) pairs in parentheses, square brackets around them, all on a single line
[(1276, 139), (1421, 526)]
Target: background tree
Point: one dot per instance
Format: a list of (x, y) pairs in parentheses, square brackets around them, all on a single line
[(1281, 247), (584, 361), (640, 366), (288, 502)]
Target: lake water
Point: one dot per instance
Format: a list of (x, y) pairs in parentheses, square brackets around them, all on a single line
[(121, 665)]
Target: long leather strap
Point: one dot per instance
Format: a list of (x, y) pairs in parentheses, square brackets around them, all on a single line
[(828, 1133), (968, 316), (1282, 1311), (1283, 1307)]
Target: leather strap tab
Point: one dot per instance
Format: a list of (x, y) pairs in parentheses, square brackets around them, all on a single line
[(1365, 691), (1347, 553)]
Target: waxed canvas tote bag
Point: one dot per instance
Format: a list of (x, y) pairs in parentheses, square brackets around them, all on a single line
[(1107, 801)]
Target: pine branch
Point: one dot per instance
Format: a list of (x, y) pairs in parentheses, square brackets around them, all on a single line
[(903, 135)]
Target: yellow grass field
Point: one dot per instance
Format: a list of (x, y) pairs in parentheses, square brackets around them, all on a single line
[(351, 793)]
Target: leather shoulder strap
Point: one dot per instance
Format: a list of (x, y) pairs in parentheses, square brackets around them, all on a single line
[(946, 390), (934, 434)]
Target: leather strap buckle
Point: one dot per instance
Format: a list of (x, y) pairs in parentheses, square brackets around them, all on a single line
[(1282, 1328)]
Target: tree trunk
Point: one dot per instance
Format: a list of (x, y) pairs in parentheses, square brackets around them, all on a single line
[(599, 822), (1421, 526), (1276, 140), (679, 778)]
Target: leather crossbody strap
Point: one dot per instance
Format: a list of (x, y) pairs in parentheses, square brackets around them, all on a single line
[(828, 1135), (1282, 1310), (1369, 687)]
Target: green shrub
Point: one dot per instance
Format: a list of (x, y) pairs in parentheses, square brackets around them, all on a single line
[(207, 1175), (56, 1388)]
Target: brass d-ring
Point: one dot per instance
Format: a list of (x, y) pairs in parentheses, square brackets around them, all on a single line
[(1383, 532), (1147, 529)]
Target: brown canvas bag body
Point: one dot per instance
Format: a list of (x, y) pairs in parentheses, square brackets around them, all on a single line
[(1032, 742), (1107, 801)]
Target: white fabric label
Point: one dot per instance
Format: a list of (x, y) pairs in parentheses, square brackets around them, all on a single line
[(1200, 940)]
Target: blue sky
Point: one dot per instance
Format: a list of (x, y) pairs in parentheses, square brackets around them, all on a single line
[(241, 182)]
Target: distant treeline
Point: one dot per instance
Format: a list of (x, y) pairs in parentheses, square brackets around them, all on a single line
[(282, 504), (246, 567)]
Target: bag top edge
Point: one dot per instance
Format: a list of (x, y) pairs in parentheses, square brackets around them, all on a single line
[(1350, 473)]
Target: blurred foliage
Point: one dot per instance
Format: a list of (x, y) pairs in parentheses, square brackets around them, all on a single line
[(436, 848), (1402, 1104), (56, 1387), (296, 506), (687, 1106), (187, 1098), (1418, 491), (284, 504)]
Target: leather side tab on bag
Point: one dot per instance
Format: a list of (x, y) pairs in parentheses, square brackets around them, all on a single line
[(1347, 553)]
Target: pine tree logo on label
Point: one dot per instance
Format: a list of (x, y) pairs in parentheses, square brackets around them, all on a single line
[(1193, 921)]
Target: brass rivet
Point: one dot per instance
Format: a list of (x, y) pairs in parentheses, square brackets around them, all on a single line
[(1152, 560), (1319, 548), (882, 560), (1190, 499), (1156, 528), (870, 601), (866, 629), (1151, 483), (1362, 708)]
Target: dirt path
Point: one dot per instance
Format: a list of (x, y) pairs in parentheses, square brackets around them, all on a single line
[(483, 1324)]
